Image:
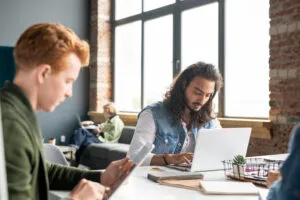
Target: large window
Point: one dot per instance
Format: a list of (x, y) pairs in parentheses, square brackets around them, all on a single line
[(154, 40), (246, 58)]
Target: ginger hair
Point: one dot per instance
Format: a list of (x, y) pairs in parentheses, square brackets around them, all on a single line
[(49, 43)]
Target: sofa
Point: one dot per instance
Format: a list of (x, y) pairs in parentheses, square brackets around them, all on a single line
[(98, 156)]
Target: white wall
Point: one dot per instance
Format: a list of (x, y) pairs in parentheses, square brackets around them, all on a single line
[(17, 15)]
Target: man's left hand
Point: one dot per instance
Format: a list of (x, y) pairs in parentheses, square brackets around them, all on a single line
[(116, 172)]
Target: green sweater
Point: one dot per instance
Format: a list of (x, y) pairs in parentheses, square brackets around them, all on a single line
[(112, 129), (29, 176)]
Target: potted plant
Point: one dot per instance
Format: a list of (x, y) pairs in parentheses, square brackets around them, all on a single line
[(238, 164)]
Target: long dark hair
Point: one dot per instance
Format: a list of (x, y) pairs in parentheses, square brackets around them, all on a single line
[(174, 98)]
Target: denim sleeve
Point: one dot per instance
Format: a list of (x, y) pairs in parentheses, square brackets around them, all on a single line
[(289, 185), (273, 191), (213, 124)]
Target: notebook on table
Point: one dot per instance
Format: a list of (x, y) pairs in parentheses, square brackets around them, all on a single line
[(228, 187), (173, 175), (215, 145)]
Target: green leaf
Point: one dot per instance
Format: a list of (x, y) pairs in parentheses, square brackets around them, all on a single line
[(239, 160)]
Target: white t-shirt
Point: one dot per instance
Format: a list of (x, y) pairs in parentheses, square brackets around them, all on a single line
[(145, 133)]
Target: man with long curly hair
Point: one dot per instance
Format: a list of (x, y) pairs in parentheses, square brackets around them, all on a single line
[(172, 125)]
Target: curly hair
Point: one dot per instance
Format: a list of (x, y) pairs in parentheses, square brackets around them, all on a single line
[(175, 99)]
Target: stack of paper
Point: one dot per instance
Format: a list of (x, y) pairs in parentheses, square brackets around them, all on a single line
[(228, 187), (174, 175), (192, 184)]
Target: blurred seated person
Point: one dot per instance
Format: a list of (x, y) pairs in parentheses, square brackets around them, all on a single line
[(286, 185), (106, 132)]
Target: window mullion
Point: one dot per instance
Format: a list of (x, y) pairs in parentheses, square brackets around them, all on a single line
[(142, 58), (221, 55), (176, 39)]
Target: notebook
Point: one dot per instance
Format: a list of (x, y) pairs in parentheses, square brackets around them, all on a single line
[(191, 184), (228, 187), (85, 127), (173, 175), (215, 145)]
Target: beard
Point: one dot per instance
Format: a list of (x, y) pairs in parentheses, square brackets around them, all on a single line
[(195, 104)]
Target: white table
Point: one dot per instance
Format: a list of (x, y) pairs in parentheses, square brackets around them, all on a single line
[(139, 187)]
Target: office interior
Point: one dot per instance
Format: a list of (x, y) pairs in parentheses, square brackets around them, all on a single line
[(99, 22)]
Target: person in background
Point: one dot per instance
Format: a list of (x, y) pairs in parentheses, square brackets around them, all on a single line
[(110, 130), (288, 185), (172, 125), (107, 132), (48, 59)]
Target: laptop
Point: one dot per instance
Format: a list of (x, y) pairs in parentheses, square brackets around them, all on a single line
[(137, 160), (92, 126), (216, 145)]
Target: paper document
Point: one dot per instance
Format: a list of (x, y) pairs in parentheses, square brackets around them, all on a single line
[(186, 184), (228, 187)]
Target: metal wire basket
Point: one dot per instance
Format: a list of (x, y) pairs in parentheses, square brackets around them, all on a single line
[(255, 170)]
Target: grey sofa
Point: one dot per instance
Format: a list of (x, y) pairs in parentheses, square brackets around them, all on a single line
[(98, 156)]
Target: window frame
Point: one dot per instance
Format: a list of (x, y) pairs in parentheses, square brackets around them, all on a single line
[(176, 10)]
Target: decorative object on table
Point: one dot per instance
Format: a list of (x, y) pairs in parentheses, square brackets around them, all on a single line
[(254, 169), (238, 164)]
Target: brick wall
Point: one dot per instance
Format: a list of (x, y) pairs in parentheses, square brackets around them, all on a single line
[(100, 66), (284, 76)]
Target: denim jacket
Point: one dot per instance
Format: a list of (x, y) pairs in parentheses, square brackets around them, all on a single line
[(288, 187), (170, 137)]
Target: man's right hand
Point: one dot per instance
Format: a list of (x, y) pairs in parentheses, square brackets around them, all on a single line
[(87, 190), (273, 176), (179, 159)]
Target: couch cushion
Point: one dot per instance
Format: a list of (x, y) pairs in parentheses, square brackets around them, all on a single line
[(98, 156), (118, 153), (100, 150), (127, 134)]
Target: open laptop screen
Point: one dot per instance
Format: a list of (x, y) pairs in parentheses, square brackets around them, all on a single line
[(215, 145)]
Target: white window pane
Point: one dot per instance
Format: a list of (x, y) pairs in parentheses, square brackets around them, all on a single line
[(128, 67), (152, 4), (200, 35), (126, 8), (158, 58), (200, 39), (246, 58)]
